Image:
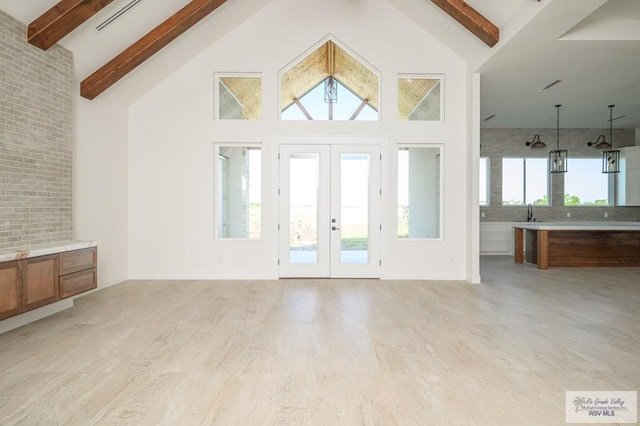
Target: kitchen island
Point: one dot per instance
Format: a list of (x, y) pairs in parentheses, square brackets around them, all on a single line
[(553, 244)]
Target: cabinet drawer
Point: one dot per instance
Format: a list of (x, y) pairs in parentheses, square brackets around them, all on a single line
[(78, 260), (78, 282)]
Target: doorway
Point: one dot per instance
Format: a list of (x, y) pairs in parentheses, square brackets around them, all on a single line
[(329, 219)]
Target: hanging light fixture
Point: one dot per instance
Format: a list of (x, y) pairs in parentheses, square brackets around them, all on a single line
[(330, 90), (330, 83), (536, 142), (601, 142), (610, 157), (558, 157)]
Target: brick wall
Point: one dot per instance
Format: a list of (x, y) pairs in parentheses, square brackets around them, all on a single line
[(498, 143), (36, 140)]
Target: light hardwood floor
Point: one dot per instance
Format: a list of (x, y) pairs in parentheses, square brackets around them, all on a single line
[(329, 352)]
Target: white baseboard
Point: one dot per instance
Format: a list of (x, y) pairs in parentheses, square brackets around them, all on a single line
[(423, 277), (201, 276), (108, 282)]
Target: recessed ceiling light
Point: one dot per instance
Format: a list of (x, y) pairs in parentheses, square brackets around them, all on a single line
[(489, 117), (549, 85)]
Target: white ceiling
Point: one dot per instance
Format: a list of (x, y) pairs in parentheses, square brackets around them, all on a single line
[(593, 46)]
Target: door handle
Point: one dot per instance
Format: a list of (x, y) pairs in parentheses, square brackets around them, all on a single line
[(335, 228)]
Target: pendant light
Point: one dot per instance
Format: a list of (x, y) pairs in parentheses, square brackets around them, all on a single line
[(558, 157), (601, 142), (610, 157)]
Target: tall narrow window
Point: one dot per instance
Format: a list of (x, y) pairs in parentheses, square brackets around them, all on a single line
[(419, 169), (577, 192), (420, 98), (239, 189), (238, 97), (524, 181), (483, 181)]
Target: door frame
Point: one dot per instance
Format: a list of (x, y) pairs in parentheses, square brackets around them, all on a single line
[(380, 143)]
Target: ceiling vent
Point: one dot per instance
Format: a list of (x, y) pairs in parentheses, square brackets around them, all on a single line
[(111, 19)]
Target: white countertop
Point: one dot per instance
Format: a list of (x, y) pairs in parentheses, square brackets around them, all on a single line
[(44, 249), (579, 226)]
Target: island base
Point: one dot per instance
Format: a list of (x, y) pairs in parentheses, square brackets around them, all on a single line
[(573, 248)]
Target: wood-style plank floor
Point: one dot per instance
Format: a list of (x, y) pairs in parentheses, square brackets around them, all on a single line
[(329, 352)]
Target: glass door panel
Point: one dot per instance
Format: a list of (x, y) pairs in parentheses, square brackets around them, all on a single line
[(355, 211), (303, 207), (304, 217), (354, 207)]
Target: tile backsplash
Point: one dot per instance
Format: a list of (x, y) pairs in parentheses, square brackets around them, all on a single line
[(496, 144)]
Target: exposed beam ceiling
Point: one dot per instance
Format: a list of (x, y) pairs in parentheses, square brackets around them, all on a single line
[(147, 46), (473, 21), (591, 45), (60, 20)]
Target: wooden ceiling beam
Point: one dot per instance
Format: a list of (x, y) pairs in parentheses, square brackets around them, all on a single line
[(60, 20), (473, 21), (147, 46)]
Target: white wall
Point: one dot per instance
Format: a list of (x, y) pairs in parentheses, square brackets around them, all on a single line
[(100, 184), (172, 131)]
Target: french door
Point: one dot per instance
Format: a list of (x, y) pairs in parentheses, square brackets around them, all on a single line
[(329, 211)]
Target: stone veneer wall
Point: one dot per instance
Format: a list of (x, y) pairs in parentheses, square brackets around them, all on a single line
[(498, 143), (36, 140)]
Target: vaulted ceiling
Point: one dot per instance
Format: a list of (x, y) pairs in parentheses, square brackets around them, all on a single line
[(327, 61), (66, 15), (593, 46)]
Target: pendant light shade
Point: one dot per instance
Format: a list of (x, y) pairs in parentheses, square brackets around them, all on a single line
[(600, 143), (611, 161), (558, 159), (536, 143)]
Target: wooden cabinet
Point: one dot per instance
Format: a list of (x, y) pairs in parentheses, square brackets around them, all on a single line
[(30, 283), (10, 288), (78, 271)]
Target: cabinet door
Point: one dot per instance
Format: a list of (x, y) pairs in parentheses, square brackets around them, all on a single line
[(40, 286), (10, 289)]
